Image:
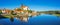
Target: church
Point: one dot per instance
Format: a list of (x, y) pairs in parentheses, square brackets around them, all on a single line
[(23, 9)]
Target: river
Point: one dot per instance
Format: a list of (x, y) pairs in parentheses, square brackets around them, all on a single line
[(43, 19)]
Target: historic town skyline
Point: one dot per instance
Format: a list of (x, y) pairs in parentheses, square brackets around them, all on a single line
[(39, 5)]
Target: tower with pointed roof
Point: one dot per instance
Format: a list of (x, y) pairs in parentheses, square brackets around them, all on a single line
[(24, 7)]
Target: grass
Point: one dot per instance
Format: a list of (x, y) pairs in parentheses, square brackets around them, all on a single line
[(7, 16), (56, 14)]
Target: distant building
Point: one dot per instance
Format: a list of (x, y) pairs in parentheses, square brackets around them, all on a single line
[(6, 11), (18, 11), (23, 9)]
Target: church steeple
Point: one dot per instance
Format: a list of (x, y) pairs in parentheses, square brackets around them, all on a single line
[(23, 7)]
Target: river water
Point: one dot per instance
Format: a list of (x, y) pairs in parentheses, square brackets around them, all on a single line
[(43, 19)]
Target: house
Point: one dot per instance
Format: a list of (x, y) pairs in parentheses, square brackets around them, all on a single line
[(24, 7), (6, 11), (18, 11)]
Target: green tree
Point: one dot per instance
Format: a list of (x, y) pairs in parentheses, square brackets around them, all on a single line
[(30, 11), (0, 11), (12, 12)]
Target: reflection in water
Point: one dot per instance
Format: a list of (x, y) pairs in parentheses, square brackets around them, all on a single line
[(11, 19), (38, 20), (2, 17)]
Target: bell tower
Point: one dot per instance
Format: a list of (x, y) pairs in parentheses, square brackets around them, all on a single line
[(23, 7)]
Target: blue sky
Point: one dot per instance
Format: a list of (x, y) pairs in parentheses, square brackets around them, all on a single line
[(38, 5)]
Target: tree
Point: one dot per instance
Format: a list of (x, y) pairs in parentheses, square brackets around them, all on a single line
[(12, 12), (0, 11), (30, 11)]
